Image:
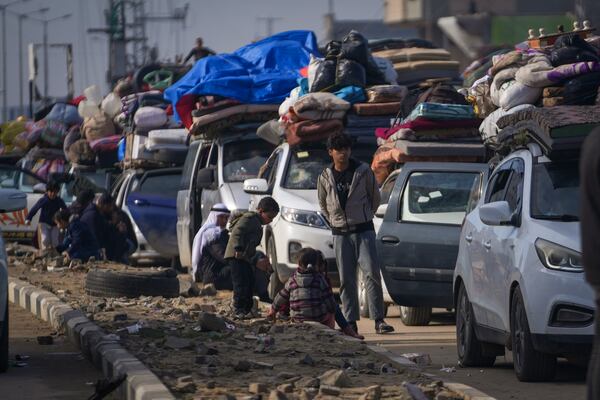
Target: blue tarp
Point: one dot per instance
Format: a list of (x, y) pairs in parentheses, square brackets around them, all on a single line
[(260, 73)]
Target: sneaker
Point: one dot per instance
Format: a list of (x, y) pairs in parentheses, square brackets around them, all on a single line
[(349, 331), (381, 327)]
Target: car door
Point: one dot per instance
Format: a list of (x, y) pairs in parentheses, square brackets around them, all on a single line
[(418, 239), (499, 243), (269, 173), (152, 205), (209, 197), (386, 192), (197, 154)]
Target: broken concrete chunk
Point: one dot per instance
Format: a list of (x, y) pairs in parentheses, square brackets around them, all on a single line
[(372, 393), (327, 390), (447, 395), (308, 382), (256, 388), (277, 395), (286, 388), (185, 384), (421, 359), (335, 377), (211, 322)]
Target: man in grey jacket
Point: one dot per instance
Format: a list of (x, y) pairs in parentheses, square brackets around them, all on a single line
[(348, 197)]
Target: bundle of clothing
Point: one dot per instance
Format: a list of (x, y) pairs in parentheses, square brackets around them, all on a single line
[(432, 131)]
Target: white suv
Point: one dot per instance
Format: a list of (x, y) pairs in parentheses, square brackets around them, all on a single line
[(519, 279), (290, 177)]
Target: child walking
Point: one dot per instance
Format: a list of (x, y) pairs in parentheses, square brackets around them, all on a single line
[(246, 232), (307, 294), (49, 204)]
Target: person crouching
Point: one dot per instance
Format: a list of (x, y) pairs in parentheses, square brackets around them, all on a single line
[(307, 295), (79, 242)]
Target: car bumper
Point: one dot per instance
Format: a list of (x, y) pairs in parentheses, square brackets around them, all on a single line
[(563, 344), (422, 287)]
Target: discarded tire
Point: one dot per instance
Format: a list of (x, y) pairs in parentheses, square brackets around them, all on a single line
[(132, 283)]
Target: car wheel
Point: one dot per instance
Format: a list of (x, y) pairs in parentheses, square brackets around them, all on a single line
[(470, 349), (530, 365), (275, 285), (4, 342), (415, 316)]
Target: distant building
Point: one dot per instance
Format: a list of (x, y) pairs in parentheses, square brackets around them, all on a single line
[(370, 29)]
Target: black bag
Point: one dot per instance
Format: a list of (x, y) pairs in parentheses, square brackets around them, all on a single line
[(581, 90), (333, 49), (569, 49), (356, 48), (325, 76), (350, 73), (374, 74)]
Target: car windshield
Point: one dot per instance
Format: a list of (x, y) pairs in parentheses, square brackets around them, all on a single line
[(555, 191), (97, 178), (243, 159), (307, 162)]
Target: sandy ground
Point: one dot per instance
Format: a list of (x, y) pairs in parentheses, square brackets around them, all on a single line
[(197, 361)]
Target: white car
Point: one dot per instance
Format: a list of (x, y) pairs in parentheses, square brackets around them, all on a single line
[(10, 200), (519, 279), (290, 177)]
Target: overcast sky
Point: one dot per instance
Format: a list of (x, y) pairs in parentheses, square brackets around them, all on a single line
[(225, 25)]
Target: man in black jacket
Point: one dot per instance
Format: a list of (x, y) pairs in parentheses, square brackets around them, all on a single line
[(590, 232), (97, 217)]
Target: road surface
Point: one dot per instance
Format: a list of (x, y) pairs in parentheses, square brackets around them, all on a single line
[(439, 341), (56, 371)]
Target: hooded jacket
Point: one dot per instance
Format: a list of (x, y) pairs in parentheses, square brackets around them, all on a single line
[(245, 234), (363, 198)]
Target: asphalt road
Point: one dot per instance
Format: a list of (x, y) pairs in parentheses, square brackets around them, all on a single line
[(439, 341), (56, 371)]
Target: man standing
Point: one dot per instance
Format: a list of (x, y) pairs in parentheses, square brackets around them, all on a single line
[(348, 197), (199, 51), (590, 232)]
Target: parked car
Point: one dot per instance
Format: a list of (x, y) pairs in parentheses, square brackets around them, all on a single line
[(149, 199), (101, 178), (11, 200), (519, 278), (290, 177), (418, 238), (214, 172), (13, 222)]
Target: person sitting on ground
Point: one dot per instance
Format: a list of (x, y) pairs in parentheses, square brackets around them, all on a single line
[(96, 217), (208, 250), (49, 204), (199, 51), (79, 242), (246, 234), (342, 322), (83, 200), (306, 294)]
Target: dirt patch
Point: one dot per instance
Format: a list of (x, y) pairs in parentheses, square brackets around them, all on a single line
[(199, 353)]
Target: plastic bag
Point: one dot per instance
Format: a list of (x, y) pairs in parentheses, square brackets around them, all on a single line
[(98, 127), (374, 74), (325, 76), (148, 118), (88, 109), (356, 48), (111, 105), (350, 73), (93, 95), (313, 67), (513, 93), (387, 69), (569, 49), (352, 94), (65, 113)]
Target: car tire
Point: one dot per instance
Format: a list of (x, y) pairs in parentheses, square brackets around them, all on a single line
[(275, 285), (4, 342), (132, 283), (471, 351), (530, 365), (415, 316)]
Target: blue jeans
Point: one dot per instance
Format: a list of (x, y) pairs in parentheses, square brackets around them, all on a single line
[(353, 251)]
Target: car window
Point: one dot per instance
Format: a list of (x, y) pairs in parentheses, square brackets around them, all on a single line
[(27, 182), (188, 165), (514, 189), (214, 156), (498, 183), (272, 173), (305, 165), (387, 188), (159, 185), (9, 178), (437, 197), (555, 191), (242, 160)]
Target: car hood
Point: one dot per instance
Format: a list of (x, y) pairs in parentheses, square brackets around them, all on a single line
[(299, 199), (566, 234), (234, 197)]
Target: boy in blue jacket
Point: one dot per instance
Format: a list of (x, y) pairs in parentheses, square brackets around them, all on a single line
[(79, 243), (49, 204)]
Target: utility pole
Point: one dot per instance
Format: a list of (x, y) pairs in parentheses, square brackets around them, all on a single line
[(269, 22), (126, 24)]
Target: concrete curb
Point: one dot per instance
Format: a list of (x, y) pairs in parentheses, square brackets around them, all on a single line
[(468, 392), (101, 349)]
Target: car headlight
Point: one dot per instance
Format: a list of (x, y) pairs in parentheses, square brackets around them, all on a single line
[(557, 257), (303, 217)]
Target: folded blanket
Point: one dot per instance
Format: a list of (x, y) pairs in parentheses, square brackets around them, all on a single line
[(426, 124), (386, 93), (549, 118), (439, 111), (318, 106), (311, 131), (421, 65), (231, 113), (414, 54), (489, 128), (511, 59), (540, 72), (377, 108)]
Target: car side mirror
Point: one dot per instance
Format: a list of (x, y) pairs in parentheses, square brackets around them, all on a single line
[(206, 179), (256, 186), (12, 200), (496, 214), (381, 210), (39, 188)]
